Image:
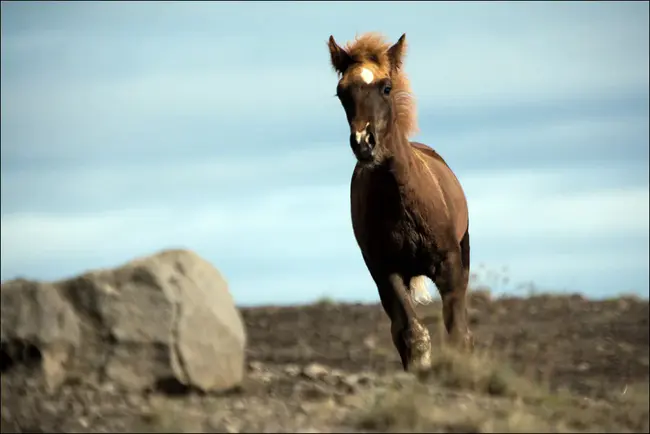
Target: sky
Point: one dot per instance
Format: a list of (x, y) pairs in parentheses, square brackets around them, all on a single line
[(132, 127)]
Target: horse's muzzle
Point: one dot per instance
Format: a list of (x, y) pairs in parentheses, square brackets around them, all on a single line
[(363, 144)]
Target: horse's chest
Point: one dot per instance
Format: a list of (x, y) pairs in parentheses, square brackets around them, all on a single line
[(386, 226)]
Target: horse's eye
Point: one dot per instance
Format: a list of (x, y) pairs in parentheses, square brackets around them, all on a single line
[(387, 89)]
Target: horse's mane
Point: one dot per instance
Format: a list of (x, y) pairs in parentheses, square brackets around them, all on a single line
[(371, 48)]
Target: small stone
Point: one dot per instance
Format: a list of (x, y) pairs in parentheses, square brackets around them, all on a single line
[(352, 379), (108, 387), (292, 370), (48, 407), (370, 342), (134, 400), (262, 376), (350, 383), (314, 371), (220, 423), (215, 420), (255, 366), (230, 428), (366, 378)]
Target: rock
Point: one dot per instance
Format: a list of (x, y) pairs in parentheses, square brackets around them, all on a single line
[(166, 316), (37, 325)]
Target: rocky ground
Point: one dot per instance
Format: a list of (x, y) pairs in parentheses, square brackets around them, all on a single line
[(542, 364)]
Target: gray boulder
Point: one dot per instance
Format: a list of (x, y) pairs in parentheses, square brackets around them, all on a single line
[(164, 317)]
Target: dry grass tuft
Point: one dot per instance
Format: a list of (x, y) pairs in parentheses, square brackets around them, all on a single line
[(627, 412), (170, 416), (423, 407), (479, 372), (416, 409), (476, 393)]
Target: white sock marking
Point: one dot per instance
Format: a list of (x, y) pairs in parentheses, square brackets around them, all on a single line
[(419, 292)]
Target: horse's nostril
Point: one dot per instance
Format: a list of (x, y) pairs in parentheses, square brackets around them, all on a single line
[(371, 139)]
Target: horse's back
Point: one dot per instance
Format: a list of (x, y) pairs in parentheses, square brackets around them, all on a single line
[(428, 151), (450, 185)]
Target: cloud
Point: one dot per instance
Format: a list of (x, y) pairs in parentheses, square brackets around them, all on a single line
[(593, 152), (530, 204), (288, 220), (147, 183), (130, 90), (308, 227), (564, 63), (572, 140)]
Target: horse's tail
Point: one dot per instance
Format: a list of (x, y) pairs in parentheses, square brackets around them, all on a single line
[(419, 292)]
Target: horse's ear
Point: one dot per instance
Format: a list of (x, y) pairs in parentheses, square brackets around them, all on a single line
[(340, 58), (396, 52)]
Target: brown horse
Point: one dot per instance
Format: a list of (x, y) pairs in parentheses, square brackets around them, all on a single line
[(409, 212)]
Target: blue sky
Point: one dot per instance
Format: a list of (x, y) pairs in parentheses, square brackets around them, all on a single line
[(132, 127)]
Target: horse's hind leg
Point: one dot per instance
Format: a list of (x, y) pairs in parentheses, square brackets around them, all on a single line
[(452, 278), (410, 337), (464, 251)]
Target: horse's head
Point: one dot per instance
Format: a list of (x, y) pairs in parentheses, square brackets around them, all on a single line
[(369, 90)]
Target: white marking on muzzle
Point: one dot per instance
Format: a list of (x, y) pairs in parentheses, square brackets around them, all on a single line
[(366, 75), (361, 134)]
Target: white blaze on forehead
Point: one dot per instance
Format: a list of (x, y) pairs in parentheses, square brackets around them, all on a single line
[(367, 75)]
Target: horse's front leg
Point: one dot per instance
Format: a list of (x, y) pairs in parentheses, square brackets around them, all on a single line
[(410, 336), (452, 279)]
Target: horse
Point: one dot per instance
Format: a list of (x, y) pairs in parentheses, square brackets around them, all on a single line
[(409, 212)]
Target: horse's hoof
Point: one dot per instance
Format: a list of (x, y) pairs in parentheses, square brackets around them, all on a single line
[(420, 363)]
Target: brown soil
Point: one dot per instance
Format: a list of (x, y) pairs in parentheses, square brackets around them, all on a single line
[(544, 364)]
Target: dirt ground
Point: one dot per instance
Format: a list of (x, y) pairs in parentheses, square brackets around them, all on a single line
[(542, 364)]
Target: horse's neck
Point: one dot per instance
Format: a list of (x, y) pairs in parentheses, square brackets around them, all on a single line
[(401, 157)]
